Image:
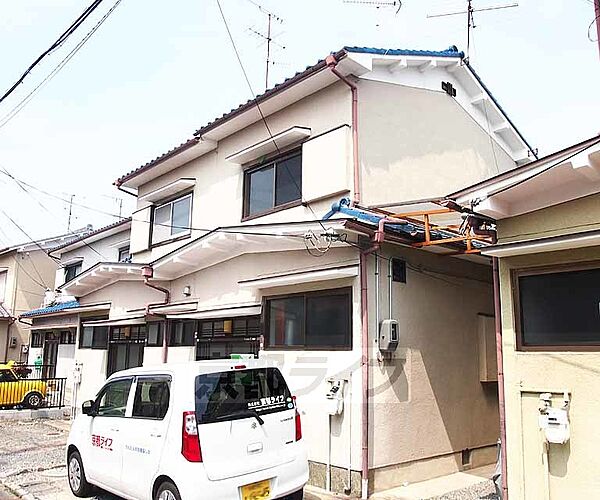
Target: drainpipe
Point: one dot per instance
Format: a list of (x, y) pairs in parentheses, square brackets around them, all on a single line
[(364, 304), (499, 360), (147, 273), (332, 63)]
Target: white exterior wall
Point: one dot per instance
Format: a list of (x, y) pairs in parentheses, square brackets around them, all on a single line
[(218, 193), (102, 250)]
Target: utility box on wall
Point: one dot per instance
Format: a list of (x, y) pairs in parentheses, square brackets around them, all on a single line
[(486, 333)]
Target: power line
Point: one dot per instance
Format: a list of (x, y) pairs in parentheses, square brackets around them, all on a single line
[(262, 116), (36, 243), (59, 41), (17, 108)]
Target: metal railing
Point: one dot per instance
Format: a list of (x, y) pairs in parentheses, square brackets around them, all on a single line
[(33, 393), (34, 371)]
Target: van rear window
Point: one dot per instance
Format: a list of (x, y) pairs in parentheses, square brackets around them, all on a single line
[(240, 394)]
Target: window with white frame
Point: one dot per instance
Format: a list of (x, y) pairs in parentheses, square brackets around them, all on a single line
[(172, 219)]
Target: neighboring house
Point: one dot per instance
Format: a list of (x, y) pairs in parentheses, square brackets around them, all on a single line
[(53, 337), (548, 223), (26, 272), (240, 245)]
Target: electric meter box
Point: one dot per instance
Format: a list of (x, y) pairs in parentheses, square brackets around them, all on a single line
[(389, 335)]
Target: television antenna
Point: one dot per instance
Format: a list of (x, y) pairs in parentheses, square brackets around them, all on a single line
[(268, 36), (470, 17)]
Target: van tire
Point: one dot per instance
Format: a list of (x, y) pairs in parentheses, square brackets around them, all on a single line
[(297, 495), (76, 476), (167, 491), (33, 400)]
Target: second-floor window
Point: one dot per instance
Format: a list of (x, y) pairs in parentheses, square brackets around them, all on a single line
[(273, 185), (72, 270), (172, 219), (124, 255)]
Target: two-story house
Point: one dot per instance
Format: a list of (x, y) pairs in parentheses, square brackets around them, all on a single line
[(240, 244), (26, 273)]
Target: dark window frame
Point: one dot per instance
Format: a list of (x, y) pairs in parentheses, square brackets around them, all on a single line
[(172, 333), (515, 274), (37, 339), (68, 336), (171, 201), (343, 291), (271, 162), (77, 266), (123, 250), (94, 344), (161, 332)]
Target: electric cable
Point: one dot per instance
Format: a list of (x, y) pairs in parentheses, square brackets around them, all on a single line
[(18, 107), (59, 41)]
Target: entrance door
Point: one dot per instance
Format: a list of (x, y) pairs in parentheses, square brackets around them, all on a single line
[(125, 348), (50, 356)]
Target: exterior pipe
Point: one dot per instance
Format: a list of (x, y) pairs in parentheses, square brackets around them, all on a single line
[(331, 62), (147, 272), (499, 360)]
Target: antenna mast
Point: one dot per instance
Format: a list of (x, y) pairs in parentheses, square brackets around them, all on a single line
[(470, 18), (268, 36)]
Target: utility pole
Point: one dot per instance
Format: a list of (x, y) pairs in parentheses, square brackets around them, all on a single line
[(70, 213), (470, 18), (597, 18)]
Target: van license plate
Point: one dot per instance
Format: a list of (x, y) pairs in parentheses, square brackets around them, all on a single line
[(260, 490)]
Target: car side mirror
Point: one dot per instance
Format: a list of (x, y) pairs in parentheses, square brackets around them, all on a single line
[(87, 408)]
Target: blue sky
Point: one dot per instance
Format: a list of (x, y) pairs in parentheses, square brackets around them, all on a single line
[(156, 71)]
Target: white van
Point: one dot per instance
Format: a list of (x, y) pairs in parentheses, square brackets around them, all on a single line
[(205, 430)]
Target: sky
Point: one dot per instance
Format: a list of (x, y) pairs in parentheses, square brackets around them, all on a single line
[(156, 71)]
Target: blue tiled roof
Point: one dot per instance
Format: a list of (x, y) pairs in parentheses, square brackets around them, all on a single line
[(451, 51), (51, 309)]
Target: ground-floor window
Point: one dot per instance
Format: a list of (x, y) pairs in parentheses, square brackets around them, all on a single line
[(558, 308), (93, 337), (37, 339), (126, 347), (312, 320), (220, 338)]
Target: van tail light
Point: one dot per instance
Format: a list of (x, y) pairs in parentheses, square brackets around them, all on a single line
[(298, 422), (190, 443)]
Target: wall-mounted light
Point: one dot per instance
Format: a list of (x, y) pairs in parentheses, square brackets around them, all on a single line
[(187, 290)]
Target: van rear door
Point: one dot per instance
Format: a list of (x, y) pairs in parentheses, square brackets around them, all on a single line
[(246, 421)]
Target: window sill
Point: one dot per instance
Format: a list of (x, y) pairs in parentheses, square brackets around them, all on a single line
[(171, 240), (279, 208)]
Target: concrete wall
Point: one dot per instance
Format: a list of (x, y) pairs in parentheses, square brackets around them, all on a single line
[(219, 183), (28, 275), (573, 467), (417, 143), (428, 401)]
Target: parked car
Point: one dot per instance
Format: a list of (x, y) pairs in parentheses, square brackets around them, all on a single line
[(226, 429), (17, 391)]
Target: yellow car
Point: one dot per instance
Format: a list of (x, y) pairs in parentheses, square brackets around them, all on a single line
[(19, 391)]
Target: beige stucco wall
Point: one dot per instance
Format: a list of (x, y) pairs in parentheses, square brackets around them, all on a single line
[(219, 183), (573, 467), (27, 271), (567, 218), (428, 400), (417, 143)]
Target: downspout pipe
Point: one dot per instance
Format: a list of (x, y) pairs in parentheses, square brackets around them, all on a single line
[(500, 361), (331, 62), (147, 273)]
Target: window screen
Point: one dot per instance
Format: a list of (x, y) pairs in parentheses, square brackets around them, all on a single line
[(236, 394), (151, 398), (560, 309)]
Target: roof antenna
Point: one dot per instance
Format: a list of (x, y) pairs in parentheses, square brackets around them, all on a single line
[(378, 4), (268, 37), (470, 19)]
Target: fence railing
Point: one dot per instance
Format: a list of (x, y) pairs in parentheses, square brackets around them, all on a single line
[(33, 393)]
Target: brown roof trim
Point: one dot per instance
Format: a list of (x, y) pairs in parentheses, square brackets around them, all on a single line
[(297, 78)]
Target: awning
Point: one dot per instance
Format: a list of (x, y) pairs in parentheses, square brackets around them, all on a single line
[(325, 274), (50, 326), (137, 320), (174, 308), (231, 311)]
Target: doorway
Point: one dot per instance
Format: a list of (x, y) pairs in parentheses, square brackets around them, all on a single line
[(50, 355)]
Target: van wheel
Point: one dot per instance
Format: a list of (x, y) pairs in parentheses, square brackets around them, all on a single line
[(167, 491), (33, 400), (76, 475), (297, 495)]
